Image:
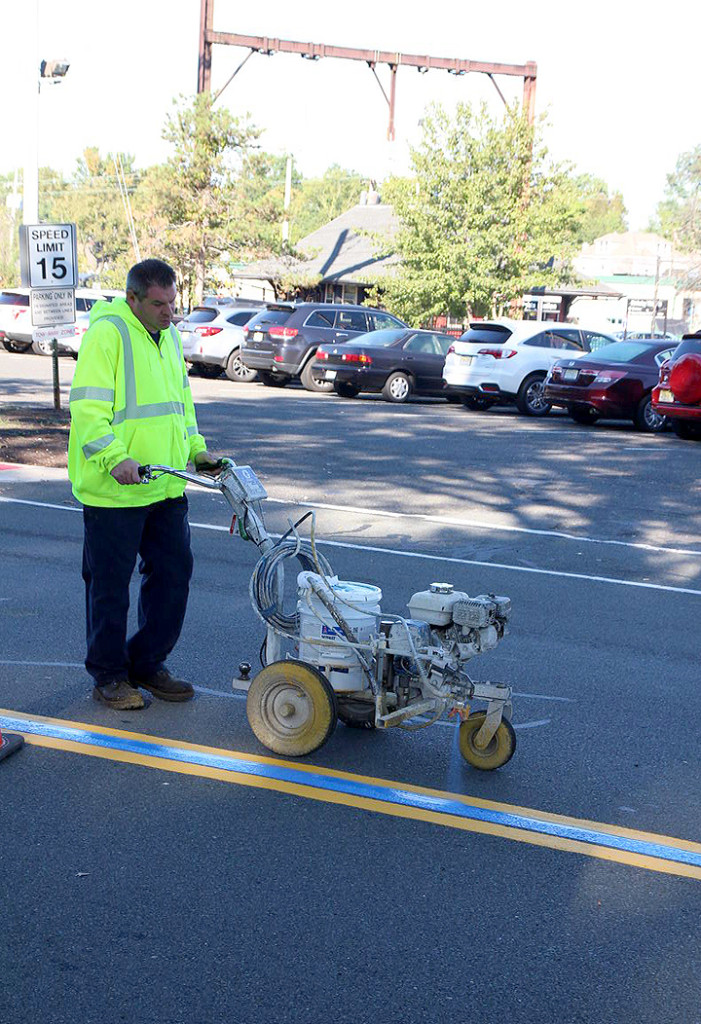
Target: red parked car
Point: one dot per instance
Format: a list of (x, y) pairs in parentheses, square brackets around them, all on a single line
[(678, 393), (615, 382)]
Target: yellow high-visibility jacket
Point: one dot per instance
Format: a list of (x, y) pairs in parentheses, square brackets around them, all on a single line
[(130, 399)]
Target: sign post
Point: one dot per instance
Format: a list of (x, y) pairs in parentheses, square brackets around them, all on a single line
[(49, 268)]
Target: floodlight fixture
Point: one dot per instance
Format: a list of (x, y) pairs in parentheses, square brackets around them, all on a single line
[(53, 68)]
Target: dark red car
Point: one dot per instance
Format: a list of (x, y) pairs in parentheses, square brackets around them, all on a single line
[(615, 382), (678, 393)]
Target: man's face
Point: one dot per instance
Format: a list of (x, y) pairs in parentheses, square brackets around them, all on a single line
[(155, 310)]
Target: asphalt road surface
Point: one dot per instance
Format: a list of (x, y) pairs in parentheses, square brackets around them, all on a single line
[(161, 866)]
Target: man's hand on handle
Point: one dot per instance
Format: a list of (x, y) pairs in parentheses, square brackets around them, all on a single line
[(127, 472), (205, 462)]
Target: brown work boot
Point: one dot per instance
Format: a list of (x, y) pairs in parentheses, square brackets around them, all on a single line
[(120, 696), (162, 685)]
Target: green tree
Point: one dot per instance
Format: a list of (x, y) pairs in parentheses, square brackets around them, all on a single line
[(10, 218), (678, 216), (602, 212), (199, 210), (92, 200), (316, 201), (486, 217)]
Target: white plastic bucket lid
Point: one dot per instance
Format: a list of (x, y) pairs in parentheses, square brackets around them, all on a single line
[(345, 590)]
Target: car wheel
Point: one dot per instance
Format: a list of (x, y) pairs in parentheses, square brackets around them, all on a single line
[(583, 414), (273, 380), (397, 388), (16, 346), (475, 402), (647, 419), (42, 348), (237, 370), (345, 389), (312, 381), (686, 430), (530, 399)]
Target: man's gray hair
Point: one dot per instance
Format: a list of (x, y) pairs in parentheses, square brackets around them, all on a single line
[(149, 272)]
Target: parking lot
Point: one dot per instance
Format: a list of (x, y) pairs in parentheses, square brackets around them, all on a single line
[(143, 881)]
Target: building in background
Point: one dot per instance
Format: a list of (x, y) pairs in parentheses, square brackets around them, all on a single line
[(660, 287)]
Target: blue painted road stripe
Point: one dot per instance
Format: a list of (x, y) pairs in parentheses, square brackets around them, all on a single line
[(678, 852)]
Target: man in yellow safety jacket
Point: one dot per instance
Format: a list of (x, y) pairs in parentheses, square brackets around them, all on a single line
[(131, 405)]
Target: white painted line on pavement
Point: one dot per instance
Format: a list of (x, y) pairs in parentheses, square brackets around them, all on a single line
[(367, 548), (241, 695), (481, 524)]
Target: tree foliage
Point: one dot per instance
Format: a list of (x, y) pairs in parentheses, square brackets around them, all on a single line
[(678, 215), (486, 217), (316, 201), (603, 213)]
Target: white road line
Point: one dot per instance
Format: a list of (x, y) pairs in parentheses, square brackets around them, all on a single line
[(241, 694), (477, 524), (365, 548), (480, 524)]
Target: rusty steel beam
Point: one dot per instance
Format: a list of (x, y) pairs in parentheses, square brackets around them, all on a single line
[(314, 51), (392, 93), (204, 64), (267, 44)]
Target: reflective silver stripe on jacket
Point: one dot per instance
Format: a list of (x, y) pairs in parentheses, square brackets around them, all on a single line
[(92, 394), (191, 431), (97, 446), (132, 410), (143, 412)]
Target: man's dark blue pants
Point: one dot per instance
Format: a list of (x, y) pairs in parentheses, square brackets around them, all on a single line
[(159, 535)]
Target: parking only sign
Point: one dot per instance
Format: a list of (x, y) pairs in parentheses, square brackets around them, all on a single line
[(48, 256)]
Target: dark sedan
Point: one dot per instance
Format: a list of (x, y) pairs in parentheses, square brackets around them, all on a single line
[(615, 382), (397, 362)]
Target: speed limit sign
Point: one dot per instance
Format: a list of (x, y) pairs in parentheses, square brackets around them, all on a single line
[(48, 256)]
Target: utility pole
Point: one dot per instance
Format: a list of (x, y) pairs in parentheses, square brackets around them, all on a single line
[(288, 196), (653, 323)]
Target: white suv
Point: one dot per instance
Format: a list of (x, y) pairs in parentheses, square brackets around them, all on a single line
[(502, 361)]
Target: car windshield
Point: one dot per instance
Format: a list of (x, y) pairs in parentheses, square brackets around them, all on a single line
[(688, 345), (380, 339), (494, 334), (202, 315), (271, 316), (622, 351)]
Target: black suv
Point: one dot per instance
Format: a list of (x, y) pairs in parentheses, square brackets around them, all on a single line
[(282, 340)]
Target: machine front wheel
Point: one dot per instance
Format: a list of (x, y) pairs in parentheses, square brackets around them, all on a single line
[(291, 708), (498, 751)]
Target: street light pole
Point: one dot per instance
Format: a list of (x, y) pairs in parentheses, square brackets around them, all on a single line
[(30, 185)]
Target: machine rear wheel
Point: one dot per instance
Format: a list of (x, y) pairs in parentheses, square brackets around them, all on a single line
[(498, 751), (356, 713), (291, 708)]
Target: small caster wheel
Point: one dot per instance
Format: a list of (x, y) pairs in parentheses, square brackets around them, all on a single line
[(498, 751), (244, 670)]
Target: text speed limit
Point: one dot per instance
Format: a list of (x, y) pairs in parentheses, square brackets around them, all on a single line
[(48, 255)]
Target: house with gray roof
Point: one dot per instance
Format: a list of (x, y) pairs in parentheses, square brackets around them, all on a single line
[(339, 262)]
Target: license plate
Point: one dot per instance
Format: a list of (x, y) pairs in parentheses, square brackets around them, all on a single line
[(466, 360), (257, 335), (666, 396), (570, 374), (330, 375)]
